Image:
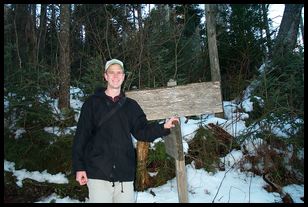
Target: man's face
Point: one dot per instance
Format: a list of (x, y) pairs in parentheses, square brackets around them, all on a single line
[(114, 76)]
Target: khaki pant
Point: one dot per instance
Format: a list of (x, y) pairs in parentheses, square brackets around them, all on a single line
[(101, 191)]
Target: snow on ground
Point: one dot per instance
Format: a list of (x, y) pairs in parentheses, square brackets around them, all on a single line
[(229, 186)]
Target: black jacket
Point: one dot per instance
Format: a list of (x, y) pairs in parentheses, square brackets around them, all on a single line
[(107, 152)]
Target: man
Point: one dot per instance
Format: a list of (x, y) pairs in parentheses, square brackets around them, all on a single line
[(103, 154)]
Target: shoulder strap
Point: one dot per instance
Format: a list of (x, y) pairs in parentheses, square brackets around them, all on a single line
[(115, 109)]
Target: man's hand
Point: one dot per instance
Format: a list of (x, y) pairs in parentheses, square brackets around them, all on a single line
[(81, 177), (171, 122)]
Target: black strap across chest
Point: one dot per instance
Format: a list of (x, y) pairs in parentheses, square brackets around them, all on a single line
[(120, 103)]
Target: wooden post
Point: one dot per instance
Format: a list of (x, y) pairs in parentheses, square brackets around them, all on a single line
[(174, 147)]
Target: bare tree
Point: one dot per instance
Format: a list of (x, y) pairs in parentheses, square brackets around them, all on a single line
[(25, 35), (211, 10), (268, 35), (142, 177), (64, 66), (302, 27), (42, 31), (286, 39)]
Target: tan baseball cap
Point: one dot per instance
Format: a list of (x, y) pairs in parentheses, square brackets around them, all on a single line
[(112, 62)]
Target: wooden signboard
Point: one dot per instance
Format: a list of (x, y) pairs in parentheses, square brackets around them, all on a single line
[(187, 100)]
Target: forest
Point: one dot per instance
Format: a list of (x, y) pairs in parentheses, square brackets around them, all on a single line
[(49, 48)]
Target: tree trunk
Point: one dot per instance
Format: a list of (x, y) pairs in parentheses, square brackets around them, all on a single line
[(139, 12), (140, 29), (20, 22), (53, 59), (134, 17), (288, 31), (42, 32), (302, 27), (142, 177), (64, 66), (31, 38), (33, 8), (211, 33), (267, 31), (211, 10)]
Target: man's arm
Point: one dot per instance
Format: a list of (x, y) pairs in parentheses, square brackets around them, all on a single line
[(144, 131), (82, 136)]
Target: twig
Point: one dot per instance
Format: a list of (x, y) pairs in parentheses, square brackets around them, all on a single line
[(17, 46), (221, 182), (250, 187), (230, 192)]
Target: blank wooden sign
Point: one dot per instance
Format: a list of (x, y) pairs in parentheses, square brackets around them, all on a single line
[(185, 100)]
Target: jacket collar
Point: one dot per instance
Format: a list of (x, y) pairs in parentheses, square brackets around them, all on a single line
[(100, 92)]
